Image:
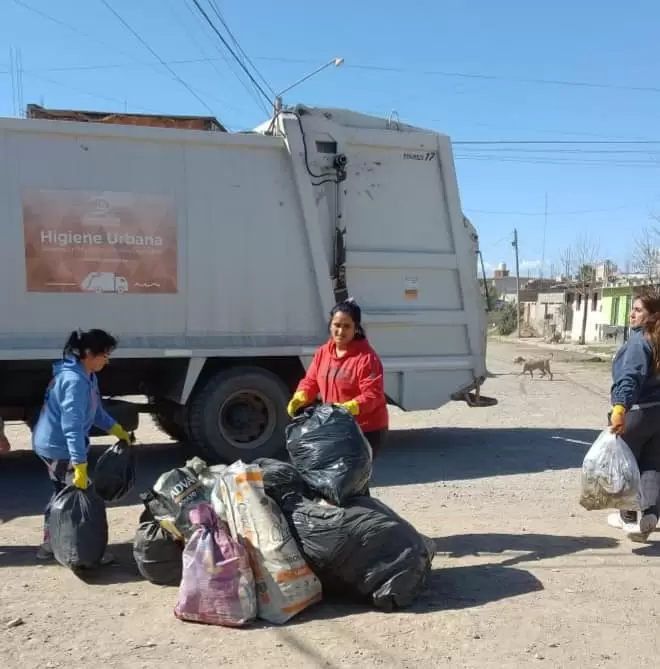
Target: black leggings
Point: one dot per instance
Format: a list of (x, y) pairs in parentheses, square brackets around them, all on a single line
[(642, 434)]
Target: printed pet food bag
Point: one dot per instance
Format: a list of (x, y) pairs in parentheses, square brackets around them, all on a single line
[(175, 494), (285, 583)]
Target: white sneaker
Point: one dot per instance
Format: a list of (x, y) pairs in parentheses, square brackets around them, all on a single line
[(637, 532)]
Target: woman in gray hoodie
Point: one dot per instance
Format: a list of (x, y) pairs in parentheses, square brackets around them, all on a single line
[(635, 413)]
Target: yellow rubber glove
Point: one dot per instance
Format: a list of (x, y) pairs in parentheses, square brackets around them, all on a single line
[(351, 406), (298, 401), (118, 431), (80, 476), (617, 419)]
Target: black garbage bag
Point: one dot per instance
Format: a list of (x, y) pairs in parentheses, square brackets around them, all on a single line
[(330, 451), (158, 556), (78, 528), (281, 478), (175, 494), (114, 473), (363, 548)]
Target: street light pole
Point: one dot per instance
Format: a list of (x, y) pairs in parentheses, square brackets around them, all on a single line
[(514, 243), (335, 62)]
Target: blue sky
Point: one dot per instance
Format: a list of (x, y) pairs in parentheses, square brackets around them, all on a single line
[(475, 69)]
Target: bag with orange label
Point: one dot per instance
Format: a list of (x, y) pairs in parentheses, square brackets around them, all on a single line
[(285, 583)]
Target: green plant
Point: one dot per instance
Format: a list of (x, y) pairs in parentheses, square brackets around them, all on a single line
[(507, 319)]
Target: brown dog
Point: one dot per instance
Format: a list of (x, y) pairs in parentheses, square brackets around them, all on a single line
[(540, 364)]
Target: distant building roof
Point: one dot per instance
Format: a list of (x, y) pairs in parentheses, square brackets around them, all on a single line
[(208, 123)]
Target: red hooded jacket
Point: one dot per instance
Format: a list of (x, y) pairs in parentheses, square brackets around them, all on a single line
[(358, 375)]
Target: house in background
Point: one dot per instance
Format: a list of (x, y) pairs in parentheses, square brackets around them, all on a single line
[(618, 296), (558, 309), (592, 302)]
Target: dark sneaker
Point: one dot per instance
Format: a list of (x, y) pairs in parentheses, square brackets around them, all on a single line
[(45, 553), (107, 559)]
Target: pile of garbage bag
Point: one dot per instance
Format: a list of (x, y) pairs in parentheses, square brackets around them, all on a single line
[(266, 539)]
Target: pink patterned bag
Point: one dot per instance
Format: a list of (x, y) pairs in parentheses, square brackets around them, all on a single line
[(217, 587)]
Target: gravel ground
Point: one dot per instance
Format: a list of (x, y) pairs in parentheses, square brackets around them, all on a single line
[(522, 576)]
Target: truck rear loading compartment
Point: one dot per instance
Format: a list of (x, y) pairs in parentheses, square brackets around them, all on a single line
[(211, 251)]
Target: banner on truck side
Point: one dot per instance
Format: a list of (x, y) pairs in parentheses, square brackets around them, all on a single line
[(100, 242)]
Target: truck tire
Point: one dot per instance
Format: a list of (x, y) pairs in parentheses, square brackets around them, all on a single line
[(170, 418), (239, 414), (170, 427)]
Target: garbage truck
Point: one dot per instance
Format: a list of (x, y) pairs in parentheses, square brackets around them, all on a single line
[(216, 257)]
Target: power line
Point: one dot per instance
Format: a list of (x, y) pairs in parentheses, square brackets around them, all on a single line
[(250, 90), (218, 13), (135, 62), (397, 70), (84, 91), (73, 28), (211, 61), (249, 75), (495, 142), (558, 161), (155, 55), (578, 212)]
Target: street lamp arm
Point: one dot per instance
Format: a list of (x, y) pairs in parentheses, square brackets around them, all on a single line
[(337, 62)]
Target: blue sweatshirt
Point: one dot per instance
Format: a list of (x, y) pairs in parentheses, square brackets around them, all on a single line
[(71, 407), (634, 379)]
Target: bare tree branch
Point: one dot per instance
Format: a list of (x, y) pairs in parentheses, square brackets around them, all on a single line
[(646, 257), (566, 262), (585, 255)]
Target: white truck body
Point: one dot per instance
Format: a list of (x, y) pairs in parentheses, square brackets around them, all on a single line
[(211, 245)]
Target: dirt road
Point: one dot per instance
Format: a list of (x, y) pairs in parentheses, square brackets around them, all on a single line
[(522, 575)]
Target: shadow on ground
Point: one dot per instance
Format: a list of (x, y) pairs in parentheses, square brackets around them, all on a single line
[(123, 570), (466, 587), (526, 547), (411, 456), (454, 454), (25, 488)]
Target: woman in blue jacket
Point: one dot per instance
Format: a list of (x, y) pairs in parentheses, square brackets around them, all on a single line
[(72, 405), (635, 414)]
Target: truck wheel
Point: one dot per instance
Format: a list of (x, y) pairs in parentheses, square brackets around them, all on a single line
[(171, 418), (170, 427), (240, 414)]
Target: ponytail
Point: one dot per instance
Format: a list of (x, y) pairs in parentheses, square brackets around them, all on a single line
[(72, 345), (93, 342)]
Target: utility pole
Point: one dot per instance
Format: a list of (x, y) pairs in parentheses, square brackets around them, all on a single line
[(545, 226), (514, 243)]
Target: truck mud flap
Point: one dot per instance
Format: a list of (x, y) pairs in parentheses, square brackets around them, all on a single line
[(474, 399)]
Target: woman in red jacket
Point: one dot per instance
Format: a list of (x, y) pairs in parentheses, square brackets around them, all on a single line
[(347, 371)]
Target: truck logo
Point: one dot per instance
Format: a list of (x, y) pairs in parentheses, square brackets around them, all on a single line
[(100, 207), (104, 282), (425, 156)]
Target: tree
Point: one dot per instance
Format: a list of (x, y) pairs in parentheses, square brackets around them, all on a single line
[(646, 257), (566, 263), (579, 260)]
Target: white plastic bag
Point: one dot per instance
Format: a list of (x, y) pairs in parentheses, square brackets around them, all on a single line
[(285, 583), (610, 475)]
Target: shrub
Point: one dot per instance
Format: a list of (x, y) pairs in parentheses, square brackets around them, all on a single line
[(507, 319)]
